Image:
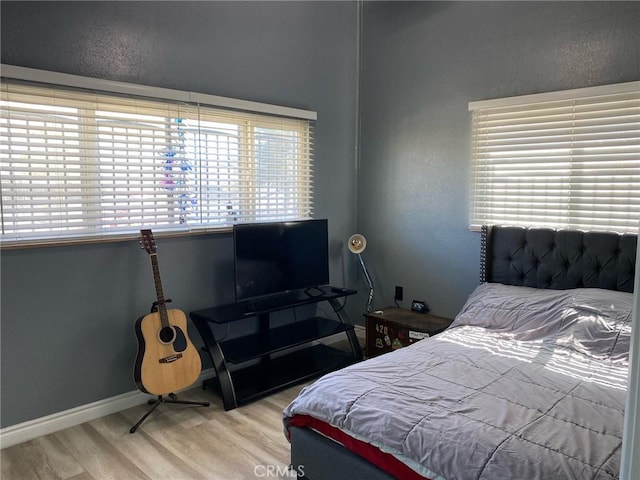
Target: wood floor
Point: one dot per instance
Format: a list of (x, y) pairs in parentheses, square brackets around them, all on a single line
[(175, 443)]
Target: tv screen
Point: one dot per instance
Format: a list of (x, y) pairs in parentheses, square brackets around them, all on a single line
[(278, 257)]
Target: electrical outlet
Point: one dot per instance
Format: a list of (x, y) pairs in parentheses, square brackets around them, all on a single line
[(398, 295)]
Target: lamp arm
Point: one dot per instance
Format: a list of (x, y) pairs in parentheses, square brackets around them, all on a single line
[(366, 274)]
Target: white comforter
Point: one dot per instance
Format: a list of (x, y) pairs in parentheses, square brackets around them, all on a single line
[(525, 384)]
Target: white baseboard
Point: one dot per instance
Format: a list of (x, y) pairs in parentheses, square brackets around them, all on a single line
[(31, 429), (25, 431)]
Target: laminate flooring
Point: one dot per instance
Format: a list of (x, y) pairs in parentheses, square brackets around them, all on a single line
[(176, 442)]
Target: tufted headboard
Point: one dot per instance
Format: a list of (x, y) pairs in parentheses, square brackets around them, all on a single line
[(557, 259)]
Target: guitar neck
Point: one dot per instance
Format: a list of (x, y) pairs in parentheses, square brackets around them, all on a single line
[(162, 303)]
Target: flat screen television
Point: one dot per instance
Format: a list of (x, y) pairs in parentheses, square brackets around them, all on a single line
[(279, 257)]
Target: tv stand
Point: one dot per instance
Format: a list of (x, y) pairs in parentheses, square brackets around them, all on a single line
[(266, 361)]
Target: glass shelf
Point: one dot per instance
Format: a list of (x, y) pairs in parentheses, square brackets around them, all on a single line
[(246, 348), (275, 358)]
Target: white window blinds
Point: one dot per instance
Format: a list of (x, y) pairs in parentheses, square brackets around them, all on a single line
[(76, 163), (561, 160)]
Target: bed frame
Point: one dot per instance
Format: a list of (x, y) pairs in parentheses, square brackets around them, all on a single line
[(557, 259), (530, 257)]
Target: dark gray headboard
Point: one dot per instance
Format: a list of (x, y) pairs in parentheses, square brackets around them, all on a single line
[(558, 259)]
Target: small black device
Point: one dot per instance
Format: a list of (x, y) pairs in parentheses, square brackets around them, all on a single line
[(419, 306)]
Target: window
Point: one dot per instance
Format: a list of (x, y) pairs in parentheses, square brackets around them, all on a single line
[(562, 160), (78, 163)]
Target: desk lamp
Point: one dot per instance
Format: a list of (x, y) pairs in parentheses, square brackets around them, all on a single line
[(357, 243)]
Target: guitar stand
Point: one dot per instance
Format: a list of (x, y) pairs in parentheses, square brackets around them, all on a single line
[(161, 399)]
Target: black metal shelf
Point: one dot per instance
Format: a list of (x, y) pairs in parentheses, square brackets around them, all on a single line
[(233, 312), (275, 358), (246, 348), (264, 378)]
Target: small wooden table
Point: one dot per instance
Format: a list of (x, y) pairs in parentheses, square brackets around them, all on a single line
[(398, 327)]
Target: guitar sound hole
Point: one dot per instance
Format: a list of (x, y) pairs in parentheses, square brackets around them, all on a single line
[(166, 335)]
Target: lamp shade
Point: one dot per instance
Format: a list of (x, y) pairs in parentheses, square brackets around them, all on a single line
[(357, 243)]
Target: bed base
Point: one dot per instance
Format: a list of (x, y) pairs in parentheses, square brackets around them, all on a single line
[(316, 457)]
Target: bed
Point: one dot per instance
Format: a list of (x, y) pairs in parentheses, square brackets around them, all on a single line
[(528, 382)]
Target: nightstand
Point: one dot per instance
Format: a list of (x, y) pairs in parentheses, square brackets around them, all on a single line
[(398, 327)]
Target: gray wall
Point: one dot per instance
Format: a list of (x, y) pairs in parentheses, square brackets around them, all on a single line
[(68, 312), (422, 63)]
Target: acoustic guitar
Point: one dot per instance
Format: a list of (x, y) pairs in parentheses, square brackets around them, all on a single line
[(167, 361)]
